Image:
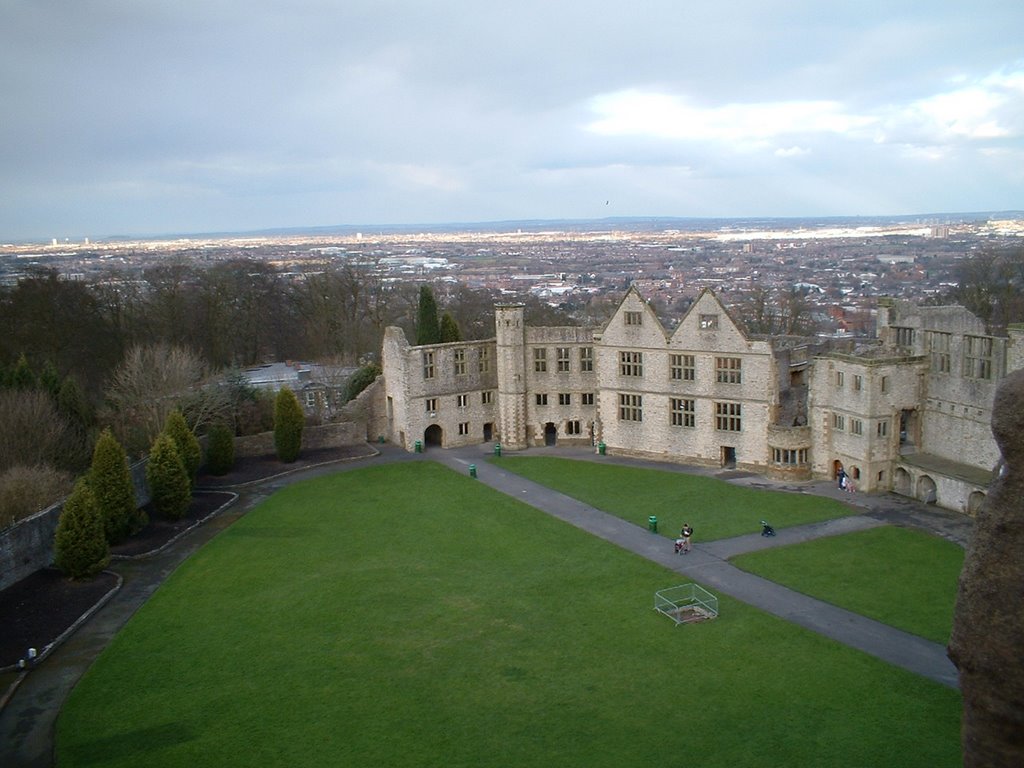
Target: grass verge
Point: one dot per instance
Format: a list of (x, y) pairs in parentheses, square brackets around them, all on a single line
[(904, 578), (714, 508)]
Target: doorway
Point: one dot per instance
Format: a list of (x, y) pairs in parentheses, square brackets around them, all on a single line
[(550, 433), (433, 436), (729, 457)]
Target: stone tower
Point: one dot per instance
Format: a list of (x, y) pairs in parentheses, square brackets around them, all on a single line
[(510, 328)]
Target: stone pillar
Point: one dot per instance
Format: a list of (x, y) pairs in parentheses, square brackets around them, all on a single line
[(987, 644)]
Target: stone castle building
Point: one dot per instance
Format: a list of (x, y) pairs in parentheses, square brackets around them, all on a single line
[(907, 412)]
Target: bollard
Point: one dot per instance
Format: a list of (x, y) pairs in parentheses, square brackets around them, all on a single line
[(472, 470), (497, 449), (652, 523)]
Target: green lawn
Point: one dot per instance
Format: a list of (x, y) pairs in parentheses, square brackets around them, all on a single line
[(407, 615), (904, 578), (714, 508)]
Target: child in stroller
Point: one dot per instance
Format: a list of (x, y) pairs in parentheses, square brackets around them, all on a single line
[(766, 530)]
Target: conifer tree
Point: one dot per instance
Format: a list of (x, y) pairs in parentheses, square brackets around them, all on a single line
[(428, 331), (288, 423), (80, 544), (49, 380), (72, 403), (186, 441), (22, 375), (169, 486), (111, 481), (449, 328), (220, 450)]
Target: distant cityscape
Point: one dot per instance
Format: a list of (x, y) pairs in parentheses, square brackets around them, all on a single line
[(841, 265)]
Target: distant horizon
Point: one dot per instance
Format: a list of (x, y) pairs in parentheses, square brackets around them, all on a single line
[(626, 223), (165, 117)]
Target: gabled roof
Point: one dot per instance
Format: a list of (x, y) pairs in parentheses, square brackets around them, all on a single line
[(633, 301), (707, 303)]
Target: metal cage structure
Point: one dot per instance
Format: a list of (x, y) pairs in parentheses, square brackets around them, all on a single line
[(686, 603)]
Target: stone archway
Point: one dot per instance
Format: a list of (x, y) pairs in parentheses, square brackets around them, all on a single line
[(974, 502), (926, 490), (550, 433), (433, 435), (903, 483)]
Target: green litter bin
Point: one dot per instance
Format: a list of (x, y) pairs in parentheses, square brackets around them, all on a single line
[(497, 449), (418, 446), (600, 448), (472, 470), (652, 523)]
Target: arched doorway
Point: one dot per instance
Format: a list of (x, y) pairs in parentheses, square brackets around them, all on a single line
[(550, 433), (837, 467), (926, 490), (902, 482), (433, 436), (974, 502)]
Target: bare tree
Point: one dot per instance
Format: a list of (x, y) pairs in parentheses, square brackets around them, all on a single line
[(33, 432), (149, 383), (990, 284)]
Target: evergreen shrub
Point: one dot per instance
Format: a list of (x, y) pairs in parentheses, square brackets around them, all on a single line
[(188, 444), (169, 486), (288, 423), (220, 450), (80, 544), (111, 483)]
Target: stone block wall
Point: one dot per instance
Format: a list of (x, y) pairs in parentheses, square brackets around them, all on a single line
[(27, 545)]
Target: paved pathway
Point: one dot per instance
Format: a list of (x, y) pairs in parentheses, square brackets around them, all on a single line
[(27, 721), (706, 564)]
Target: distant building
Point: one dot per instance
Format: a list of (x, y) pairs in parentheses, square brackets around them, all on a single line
[(908, 412), (318, 387)]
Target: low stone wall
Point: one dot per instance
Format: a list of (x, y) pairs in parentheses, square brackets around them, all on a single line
[(27, 545), (326, 436)]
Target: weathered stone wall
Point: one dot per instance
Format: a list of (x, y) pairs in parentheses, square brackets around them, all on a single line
[(326, 436), (457, 398), (988, 624), (706, 333), (27, 545)]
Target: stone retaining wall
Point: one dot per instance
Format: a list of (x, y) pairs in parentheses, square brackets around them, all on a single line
[(27, 545)]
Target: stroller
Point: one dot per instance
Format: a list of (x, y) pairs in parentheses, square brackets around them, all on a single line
[(766, 530)]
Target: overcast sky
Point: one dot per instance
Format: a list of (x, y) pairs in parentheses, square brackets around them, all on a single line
[(177, 116)]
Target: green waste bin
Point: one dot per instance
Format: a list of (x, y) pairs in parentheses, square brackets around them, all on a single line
[(472, 470), (497, 449), (418, 446), (652, 523), (380, 438), (600, 448)]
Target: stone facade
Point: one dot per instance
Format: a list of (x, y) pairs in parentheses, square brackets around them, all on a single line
[(908, 411)]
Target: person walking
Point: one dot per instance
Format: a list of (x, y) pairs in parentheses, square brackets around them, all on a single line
[(685, 535)]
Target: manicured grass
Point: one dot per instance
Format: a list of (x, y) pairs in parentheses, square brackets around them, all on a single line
[(714, 508), (407, 615), (903, 578)]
